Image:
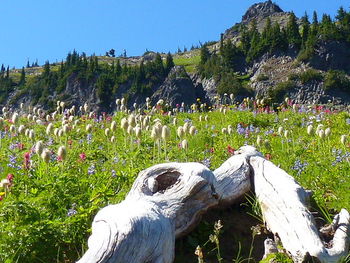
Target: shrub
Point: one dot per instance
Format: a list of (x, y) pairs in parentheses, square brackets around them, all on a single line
[(262, 77), (336, 79), (278, 92), (310, 75)]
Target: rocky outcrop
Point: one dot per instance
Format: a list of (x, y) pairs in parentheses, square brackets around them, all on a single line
[(332, 55), (261, 10), (178, 87)]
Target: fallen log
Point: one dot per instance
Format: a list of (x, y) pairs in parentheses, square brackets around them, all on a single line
[(284, 207), (167, 200)]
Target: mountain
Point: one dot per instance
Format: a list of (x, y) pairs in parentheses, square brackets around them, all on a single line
[(270, 53)]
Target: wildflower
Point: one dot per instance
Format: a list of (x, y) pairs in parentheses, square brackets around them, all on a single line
[(321, 134), (224, 131), (62, 152), (71, 212), (10, 177), (27, 160), (206, 162), (180, 132), (309, 129), (192, 130), (138, 132), (91, 169), (113, 139), (280, 130), (327, 132), (39, 146), (299, 166), (286, 133), (132, 120), (343, 139), (124, 124), (82, 156), (165, 133), (259, 140), (184, 144), (49, 128), (107, 131), (12, 128), (230, 150), (46, 155), (14, 117), (88, 128)]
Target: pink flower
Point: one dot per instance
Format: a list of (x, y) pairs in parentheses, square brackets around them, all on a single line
[(10, 177), (27, 160), (82, 156)]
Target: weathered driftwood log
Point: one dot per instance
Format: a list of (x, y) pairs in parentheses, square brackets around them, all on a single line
[(167, 200), (283, 204)]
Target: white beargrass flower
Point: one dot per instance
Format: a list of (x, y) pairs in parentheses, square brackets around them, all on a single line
[(259, 140), (107, 131), (184, 144), (14, 117), (327, 132), (39, 146), (321, 134), (343, 139), (88, 127), (138, 131), (165, 133), (309, 129), (113, 125), (21, 129), (280, 130), (62, 152), (180, 132), (12, 128), (192, 130), (286, 133), (124, 124), (46, 155)]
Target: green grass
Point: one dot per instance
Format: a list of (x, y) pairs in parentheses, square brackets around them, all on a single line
[(190, 63), (34, 221)]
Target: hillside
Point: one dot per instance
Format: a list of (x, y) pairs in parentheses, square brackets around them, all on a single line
[(270, 54)]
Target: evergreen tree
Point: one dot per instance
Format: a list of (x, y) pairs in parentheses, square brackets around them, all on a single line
[(292, 29), (159, 67), (205, 54), (28, 65), (8, 72), (169, 63), (305, 29), (22, 80), (229, 55)]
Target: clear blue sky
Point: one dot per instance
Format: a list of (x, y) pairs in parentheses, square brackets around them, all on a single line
[(49, 29)]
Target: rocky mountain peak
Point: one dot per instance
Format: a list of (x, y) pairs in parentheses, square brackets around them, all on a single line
[(261, 10)]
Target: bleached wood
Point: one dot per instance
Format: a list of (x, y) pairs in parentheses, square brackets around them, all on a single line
[(165, 202), (283, 204)]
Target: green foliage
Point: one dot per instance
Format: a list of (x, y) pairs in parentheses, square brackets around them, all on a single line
[(310, 75), (230, 84), (335, 79), (262, 77), (278, 92)]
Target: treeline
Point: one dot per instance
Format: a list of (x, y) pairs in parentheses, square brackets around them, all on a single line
[(301, 36), (107, 78)]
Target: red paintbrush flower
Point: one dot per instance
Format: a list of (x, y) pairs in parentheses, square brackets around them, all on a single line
[(230, 150)]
